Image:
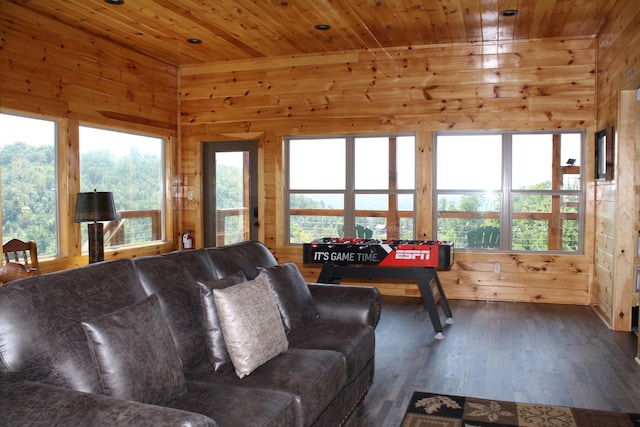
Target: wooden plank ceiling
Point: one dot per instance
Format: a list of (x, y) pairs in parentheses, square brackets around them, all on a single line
[(265, 28)]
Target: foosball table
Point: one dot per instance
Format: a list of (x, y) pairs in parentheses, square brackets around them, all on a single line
[(416, 260)]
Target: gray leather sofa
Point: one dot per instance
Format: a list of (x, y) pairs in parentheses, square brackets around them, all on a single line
[(131, 342)]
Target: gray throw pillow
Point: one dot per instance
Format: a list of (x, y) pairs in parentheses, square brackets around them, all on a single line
[(251, 324), (135, 353), (292, 295), (216, 348)]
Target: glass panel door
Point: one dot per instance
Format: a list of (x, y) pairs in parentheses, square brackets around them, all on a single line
[(230, 207)]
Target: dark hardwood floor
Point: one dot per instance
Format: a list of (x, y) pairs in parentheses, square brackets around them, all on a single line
[(536, 353)]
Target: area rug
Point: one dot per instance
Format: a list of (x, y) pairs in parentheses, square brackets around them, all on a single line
[(431, 410)]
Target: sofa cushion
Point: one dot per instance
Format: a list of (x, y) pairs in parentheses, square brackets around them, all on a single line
[(238, 406), (135, 353), (195, 261), (41, 338), (292, 295), (314, 377), (251, 324), (347, 304), (216, 347), (179, 299), (355, 342), (246, 256)]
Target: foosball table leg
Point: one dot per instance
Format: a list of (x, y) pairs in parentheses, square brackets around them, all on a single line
[(424, 277), (440, 335)]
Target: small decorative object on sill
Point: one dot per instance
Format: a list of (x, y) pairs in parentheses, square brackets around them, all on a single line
[(188, 240)]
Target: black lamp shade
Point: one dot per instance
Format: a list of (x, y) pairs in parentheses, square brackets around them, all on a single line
[(95, 206)]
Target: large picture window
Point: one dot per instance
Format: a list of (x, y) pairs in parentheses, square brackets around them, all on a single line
[(510, 191), (352, 186), (130, 166), (29, 181)]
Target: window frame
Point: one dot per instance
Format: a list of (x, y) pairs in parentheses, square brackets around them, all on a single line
[(58, 130), (68, 185), (507, 193), (349, 213), (165, 162)]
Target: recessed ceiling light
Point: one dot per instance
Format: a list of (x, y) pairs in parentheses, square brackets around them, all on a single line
[(115, 2), (508, 12), (322, 27), (194, 41)]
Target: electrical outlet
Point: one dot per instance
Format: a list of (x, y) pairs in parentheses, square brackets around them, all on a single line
[(496, 267), (190, 195)]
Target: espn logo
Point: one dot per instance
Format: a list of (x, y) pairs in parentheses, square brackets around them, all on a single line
[(413, 254)]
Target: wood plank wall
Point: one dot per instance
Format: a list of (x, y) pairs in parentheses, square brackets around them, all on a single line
[(528, 85), (616, 227), (51, 70)]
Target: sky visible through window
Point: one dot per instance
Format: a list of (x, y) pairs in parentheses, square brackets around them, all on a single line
[(119, 144), (31, 131), (477, 160), (319, 164), (37, 132)]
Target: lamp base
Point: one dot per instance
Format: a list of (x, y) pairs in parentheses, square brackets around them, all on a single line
[(96, 242)]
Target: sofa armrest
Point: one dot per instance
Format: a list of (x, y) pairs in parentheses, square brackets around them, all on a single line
[(347, 304), (33, 403)]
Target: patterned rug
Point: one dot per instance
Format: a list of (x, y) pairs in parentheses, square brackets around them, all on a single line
[(431, 410)]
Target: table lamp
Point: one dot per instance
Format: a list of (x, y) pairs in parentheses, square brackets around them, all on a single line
[(95, 206)]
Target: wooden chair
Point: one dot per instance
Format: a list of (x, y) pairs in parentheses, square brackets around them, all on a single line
[(484, 237), (25, 253)]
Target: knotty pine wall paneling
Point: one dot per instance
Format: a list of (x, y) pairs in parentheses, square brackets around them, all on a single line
[(54, 71), (618, 69), (528, 85)]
